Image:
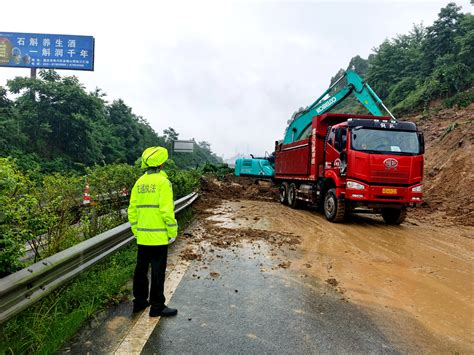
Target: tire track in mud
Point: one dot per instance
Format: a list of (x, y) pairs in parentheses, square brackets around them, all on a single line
[(419, 274)]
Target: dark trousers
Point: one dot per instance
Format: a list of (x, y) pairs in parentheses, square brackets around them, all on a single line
[(155, 255)]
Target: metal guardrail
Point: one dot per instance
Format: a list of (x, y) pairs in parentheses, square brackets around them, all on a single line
[(27, 286)]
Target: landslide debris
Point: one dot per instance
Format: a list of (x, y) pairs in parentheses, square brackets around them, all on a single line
[(449, 161), (209, 236), (448, 173), (228, 237), (190, 254), (238, 187), (211, 241)]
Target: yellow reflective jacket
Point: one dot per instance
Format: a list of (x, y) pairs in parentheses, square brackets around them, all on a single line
[(151, 210)]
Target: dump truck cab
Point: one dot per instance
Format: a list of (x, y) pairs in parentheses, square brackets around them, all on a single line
[(375, 161)]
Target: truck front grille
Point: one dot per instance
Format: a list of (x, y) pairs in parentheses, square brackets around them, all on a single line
[(394, 177), (385, 197)]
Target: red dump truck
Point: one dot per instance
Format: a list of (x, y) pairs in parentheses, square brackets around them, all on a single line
[(353, 163)]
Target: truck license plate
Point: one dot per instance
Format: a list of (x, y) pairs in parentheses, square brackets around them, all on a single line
[(389, 191)]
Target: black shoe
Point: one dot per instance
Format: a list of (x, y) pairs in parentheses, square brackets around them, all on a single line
[(138, 307), (164, 312)]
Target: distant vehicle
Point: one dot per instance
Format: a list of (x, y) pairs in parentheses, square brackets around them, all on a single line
[(260, 167)]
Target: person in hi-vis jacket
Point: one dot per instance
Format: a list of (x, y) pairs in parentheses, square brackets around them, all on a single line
[(151, 216)]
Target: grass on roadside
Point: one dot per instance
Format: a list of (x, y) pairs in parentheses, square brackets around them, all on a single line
[(44, 327)]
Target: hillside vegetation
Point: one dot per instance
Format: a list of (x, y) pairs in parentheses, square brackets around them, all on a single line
[(54, 125), (428, 66)]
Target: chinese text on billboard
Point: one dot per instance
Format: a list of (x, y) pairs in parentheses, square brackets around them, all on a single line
[(32, 50)]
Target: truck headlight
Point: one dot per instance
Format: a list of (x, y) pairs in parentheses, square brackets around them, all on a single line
[(355, 185), (417, 189)]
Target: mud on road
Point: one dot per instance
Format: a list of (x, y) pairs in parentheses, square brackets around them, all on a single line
[(265, 278), (416, 280)]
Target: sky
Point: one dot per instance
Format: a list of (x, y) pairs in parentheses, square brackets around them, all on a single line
[(227, 72)]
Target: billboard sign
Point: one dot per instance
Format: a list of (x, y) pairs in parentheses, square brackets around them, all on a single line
[(50, 51), (183, 146)]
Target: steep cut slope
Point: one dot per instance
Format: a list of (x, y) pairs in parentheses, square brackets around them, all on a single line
[(449, 163)]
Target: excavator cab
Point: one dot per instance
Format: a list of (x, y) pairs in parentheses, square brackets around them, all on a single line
[(260, 167)]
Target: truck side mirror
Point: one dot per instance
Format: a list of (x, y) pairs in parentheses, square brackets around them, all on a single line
[(421, 139)]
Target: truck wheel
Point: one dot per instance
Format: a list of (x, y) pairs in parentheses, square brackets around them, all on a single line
[(394, 216), (334, 207), (292, 201), (284, 193)]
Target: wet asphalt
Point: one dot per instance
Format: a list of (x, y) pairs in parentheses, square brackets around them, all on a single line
[(243, 299), (247, 310)]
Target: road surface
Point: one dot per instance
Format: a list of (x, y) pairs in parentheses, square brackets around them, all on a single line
[(258, 277)]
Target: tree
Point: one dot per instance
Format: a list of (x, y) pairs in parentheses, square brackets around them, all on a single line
[(359, 64), (205, 145), (170, 135), (54, 124), (58, 117), (440, 36), (411, 70), (12, 137), (394, 60)]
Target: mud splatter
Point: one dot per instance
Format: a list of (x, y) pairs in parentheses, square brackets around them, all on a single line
[(285, 264), (190, 254)]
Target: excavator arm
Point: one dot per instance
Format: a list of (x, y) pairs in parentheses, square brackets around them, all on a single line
[(355, 85)]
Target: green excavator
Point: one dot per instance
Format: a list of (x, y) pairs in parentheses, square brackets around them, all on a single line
[(300, 123)]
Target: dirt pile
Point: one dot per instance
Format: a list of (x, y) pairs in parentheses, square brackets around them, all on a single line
[(220, 237), (209, 236), (190, 254), (213, 188), (449, 161), (213, 191), (228, 237)]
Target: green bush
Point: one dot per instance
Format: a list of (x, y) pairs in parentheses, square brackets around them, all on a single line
[(184, 181), (110, 186), (59, 196), (16, 216), (40, 214), (43, 211), (463, 99), (219, 170)]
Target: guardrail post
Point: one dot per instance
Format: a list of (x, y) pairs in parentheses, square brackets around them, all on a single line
[(93, 219)]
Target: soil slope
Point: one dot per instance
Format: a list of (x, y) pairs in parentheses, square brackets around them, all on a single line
[(449, 161)]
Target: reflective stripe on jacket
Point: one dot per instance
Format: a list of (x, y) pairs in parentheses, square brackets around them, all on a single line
[(151, 210)]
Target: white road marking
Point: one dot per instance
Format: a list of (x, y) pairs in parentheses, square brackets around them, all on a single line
[(138, 335)]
